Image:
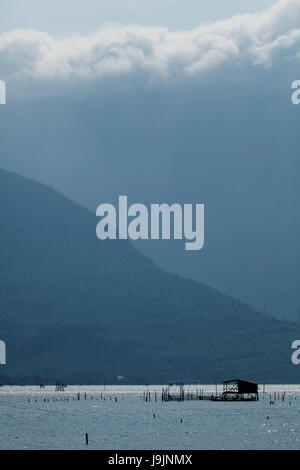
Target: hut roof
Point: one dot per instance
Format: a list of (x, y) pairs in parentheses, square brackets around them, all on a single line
[(243, 386)]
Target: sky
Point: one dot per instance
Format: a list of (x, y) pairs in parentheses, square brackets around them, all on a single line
[(169, 109), (62, 18)]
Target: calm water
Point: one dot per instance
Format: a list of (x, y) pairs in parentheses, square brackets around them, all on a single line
[(30, 421)]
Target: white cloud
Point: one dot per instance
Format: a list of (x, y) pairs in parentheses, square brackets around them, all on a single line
[(256, 39)]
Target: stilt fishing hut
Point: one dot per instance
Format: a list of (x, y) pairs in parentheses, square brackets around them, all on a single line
[(238, 390)]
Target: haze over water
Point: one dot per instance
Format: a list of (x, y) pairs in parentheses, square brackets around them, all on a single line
[(125, 421)]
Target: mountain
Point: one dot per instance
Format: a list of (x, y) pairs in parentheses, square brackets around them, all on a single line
[(80, 310)]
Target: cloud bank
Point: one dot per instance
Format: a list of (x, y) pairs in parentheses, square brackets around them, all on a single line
[(260, 40)]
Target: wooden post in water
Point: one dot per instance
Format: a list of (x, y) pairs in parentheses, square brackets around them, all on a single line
[(86, 438)]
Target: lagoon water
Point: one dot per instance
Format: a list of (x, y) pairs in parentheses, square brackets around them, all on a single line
[(44, 419)]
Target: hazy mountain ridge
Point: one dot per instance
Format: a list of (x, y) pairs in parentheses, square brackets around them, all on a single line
[(77, 309)]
